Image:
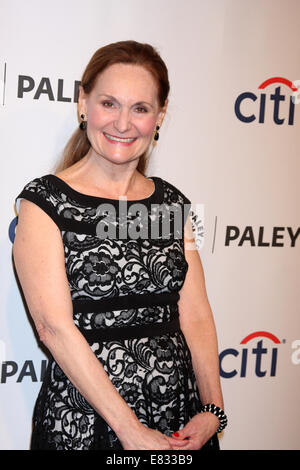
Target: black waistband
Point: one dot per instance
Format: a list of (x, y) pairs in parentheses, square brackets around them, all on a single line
[(127, 302), (124, 302), (96, 335)]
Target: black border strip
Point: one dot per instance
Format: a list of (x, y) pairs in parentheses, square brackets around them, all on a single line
[(130, 332), (124, 302)]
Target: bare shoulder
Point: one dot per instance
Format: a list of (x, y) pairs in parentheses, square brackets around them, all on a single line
[(38, 255), (36, 235), (33, 218)]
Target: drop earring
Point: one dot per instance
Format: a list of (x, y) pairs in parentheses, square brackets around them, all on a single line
[(82, 125), (156, 136)]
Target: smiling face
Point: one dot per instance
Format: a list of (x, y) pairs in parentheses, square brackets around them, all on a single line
[(122, 112)]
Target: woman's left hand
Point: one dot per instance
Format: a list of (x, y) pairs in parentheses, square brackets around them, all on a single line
[(196, 432)]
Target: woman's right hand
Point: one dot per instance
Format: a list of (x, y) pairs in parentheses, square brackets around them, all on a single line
[(144, 439)]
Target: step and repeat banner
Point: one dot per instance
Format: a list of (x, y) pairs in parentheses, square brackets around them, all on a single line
[(230, 142)]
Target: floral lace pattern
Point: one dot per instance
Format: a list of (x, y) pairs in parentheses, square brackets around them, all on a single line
[(153, 374)]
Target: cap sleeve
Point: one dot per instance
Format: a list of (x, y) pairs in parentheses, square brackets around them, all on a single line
[(37, 192)]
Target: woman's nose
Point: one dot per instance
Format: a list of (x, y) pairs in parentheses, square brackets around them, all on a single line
[(123, 123)]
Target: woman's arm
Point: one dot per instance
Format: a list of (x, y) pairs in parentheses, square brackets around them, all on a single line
[(198, 327), (197, 324), (39, 258)]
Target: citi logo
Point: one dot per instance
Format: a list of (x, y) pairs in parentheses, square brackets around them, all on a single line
[(259, 357), (248, 112)]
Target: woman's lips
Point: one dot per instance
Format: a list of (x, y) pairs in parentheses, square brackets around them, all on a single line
[(119, 140)]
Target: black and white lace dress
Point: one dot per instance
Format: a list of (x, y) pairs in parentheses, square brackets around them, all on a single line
[(124, 288)]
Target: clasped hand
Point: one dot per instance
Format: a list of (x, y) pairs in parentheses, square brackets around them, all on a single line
[(195, 433), (192, 437)]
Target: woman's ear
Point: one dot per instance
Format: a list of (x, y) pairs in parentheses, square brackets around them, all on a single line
[(163, 112), (82, 101)]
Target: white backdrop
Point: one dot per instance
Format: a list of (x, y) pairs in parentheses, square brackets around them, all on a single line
[(245, 174)]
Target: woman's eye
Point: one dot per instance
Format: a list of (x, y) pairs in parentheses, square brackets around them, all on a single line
[(107, 104), (141, 109)]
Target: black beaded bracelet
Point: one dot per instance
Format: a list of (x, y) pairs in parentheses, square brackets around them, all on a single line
[(218, 412)]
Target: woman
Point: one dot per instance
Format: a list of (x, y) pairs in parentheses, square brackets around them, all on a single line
[(132, 360)]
